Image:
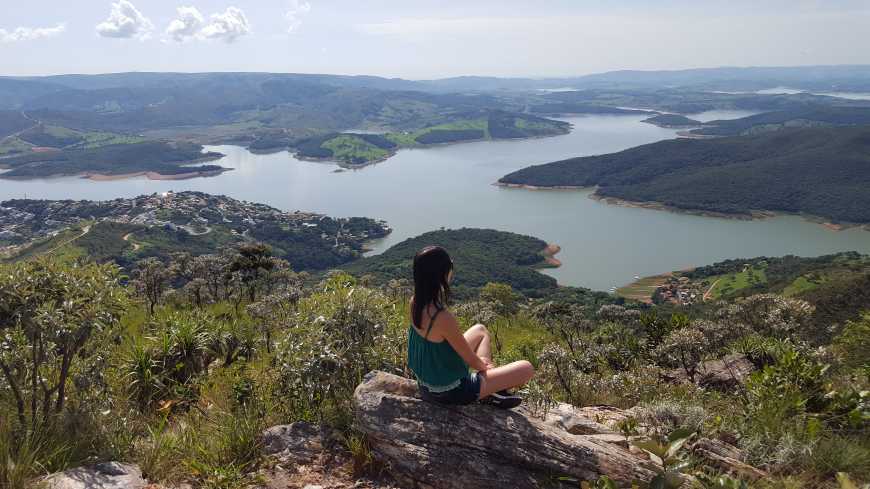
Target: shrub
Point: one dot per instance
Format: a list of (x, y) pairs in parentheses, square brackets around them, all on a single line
[(50, 315), (337, 337), (683, 348), (853, 343)]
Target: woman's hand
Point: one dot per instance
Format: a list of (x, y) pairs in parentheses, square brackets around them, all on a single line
[(487, 364)]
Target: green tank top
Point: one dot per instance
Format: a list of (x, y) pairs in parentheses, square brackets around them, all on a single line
[(437, 366)]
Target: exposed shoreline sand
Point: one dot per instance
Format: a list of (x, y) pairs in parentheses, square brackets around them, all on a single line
[(549, 255), (753, 215), (151, 175)]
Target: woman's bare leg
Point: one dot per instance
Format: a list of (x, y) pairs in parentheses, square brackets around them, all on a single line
[(507, 376), (477, 337), (498, 378)]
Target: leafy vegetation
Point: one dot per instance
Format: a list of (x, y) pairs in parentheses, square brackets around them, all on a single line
[(51, 136), (127, 230), (13, 122), (480, 256), (439, 136), (672, 120), (819, 171), (357, 149), (117, 159), (180, 369), (812, 116)]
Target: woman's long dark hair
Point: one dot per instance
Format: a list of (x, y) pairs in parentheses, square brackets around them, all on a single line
[(432, 266)]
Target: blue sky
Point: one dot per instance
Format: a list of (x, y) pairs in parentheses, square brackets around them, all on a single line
[(427, 38)]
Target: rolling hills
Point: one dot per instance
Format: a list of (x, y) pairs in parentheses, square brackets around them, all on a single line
[(822, 172)]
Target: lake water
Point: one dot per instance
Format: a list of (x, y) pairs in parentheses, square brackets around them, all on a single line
[(420, 190)]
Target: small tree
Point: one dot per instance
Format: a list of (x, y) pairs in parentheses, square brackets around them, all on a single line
[(684, 347), (151, 277), (49, 312), (251, 262), (503, 296)]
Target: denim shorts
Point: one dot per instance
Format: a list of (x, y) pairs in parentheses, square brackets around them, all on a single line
[(466, 392)]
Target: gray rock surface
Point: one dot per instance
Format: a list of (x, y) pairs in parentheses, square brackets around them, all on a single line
[(451, 447), (299, 442), (106, 475)]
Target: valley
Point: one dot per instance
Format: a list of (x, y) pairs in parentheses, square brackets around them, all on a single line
[(597, 239), (639, 252)]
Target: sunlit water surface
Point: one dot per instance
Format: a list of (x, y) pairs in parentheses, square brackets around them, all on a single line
[(420, 190)]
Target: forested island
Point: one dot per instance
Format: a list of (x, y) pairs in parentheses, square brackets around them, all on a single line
[(821, 172), (354, 149)]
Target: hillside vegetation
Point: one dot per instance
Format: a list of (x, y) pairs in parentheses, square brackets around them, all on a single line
[(357, 149), (182, 367), (672, 121), (157, 226), (819, 171), (115, 159), (812, 116), (479, 256)]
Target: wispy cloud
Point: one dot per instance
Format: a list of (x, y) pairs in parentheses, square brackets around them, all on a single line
[(227, 26), (125, 22), (294, 14), (30, 33)]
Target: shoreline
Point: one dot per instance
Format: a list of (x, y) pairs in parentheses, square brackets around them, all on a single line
[(152, 175), (691, 135), (549, 253), (395, 151), (658, 206), (539, 187), (751, 216)]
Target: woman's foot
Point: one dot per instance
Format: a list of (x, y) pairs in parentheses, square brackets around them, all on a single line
[(503, 399)]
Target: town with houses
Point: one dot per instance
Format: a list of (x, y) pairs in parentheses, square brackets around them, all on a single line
[(24, 221), (679, 290)]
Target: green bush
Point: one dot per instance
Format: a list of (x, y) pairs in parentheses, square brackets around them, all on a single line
[(338, 336)]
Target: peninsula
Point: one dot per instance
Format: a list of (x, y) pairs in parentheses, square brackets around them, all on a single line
[(821, 172)]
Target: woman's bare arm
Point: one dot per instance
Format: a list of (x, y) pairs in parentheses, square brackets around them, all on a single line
[(450, 330)]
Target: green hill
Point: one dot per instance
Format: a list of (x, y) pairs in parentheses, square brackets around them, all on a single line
[(812, 116), (359, 149), (480, 256), (672, 121), (822, 172), (128, 230), (115, 159)]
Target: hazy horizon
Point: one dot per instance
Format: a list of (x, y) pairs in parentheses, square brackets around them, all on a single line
[(469, 75), (427, 39)]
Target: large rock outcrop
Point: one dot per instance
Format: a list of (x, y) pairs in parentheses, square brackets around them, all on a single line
[(106, 475), (453, 447)]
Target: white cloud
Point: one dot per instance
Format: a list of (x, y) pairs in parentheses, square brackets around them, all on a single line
[(125, 22), (30, 33), (294, 14), (227, 26), (187, 25)]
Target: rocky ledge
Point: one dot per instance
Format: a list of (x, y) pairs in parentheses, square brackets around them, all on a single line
[(451, 447)]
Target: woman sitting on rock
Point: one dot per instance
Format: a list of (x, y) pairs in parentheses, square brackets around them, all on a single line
[(440, 355)]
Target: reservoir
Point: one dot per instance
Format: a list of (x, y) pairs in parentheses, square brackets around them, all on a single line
[(420, 190)]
